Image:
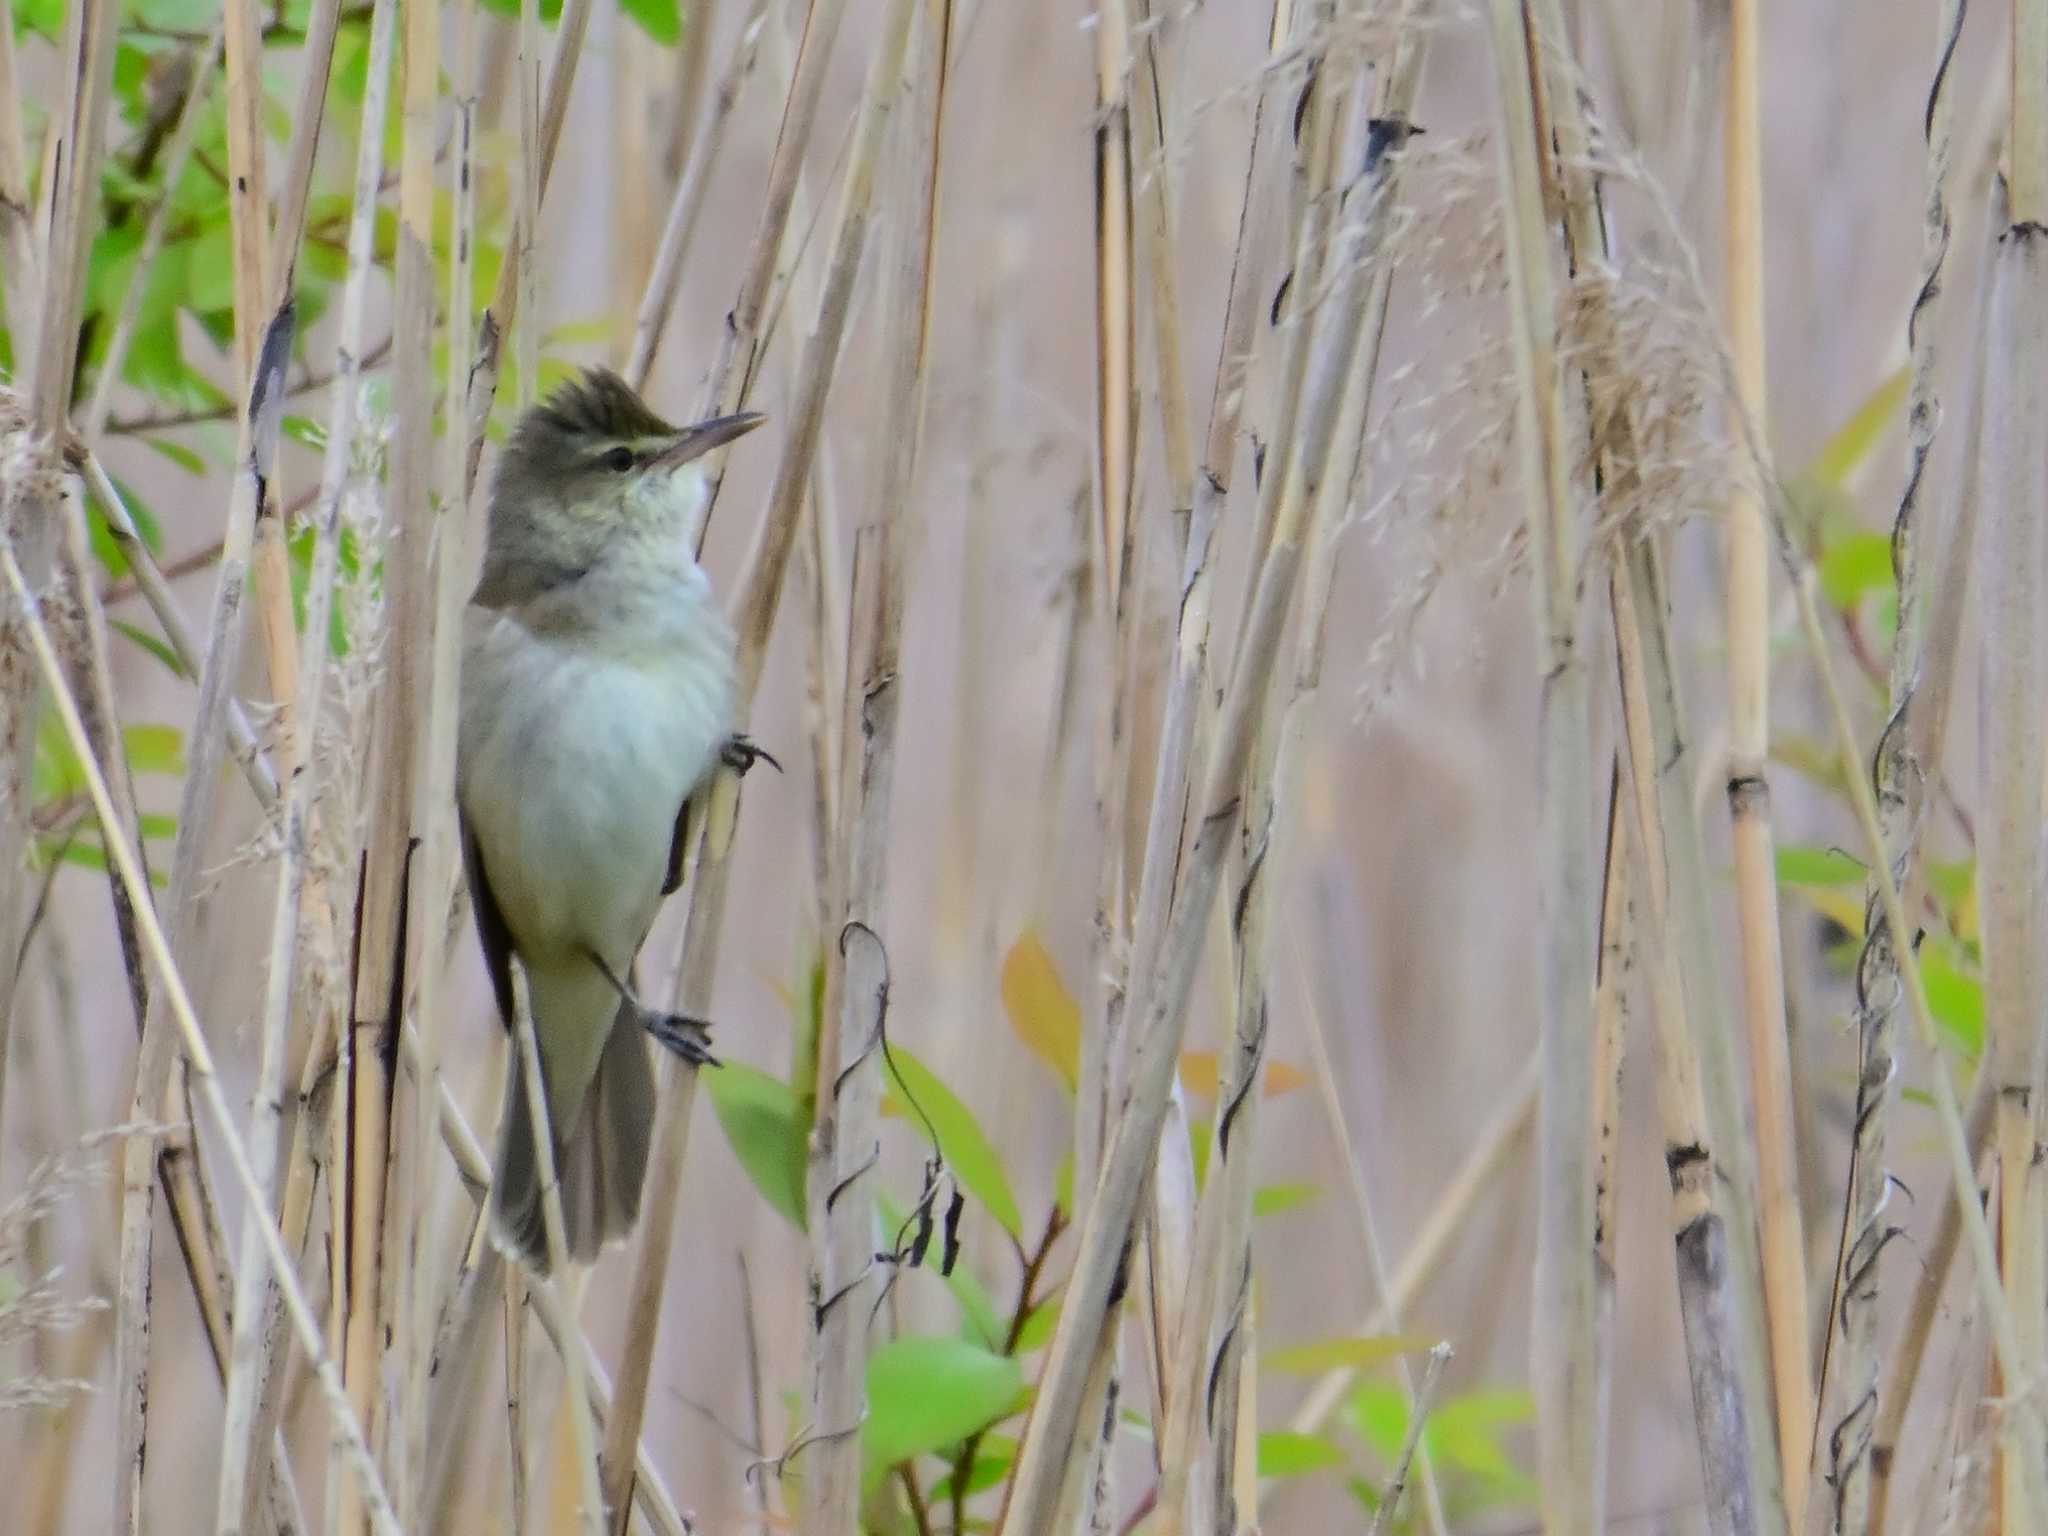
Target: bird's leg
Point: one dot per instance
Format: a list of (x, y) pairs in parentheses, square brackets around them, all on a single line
[(687, 1037), (739, 754)]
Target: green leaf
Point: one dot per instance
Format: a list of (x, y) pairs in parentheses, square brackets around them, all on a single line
[(993, 1458), (1854, 566), (149, 643), (980, 1321), (959, 1137), (1282, 1453), (761, 1119), (1042, 1011), (661, 20), (1039, 1323), (1276, 1198), (210, 282), (1805, 864), (928, 1391), (1358, 1354), (185, 458)]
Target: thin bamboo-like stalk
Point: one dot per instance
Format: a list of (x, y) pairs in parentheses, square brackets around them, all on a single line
[(680, 226), (1726, 1376), (738, 353), (1610, 1032), (845, 1144), (592, 1504), (178, 1004), (378, 1303), (1928, 723), (2011, 547), (1749, 793), (1088, 1314), (570, 29), (753, 608), (1570, 1451), (1411, 1441), (1902, 778), (2028, 146)]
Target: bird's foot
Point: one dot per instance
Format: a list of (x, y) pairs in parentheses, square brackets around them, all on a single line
[(739, 754), (688, 1038)]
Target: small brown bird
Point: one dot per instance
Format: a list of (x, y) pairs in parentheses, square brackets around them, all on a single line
[(597, 701)]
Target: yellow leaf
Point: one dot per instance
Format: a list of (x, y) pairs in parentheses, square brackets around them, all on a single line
[(1198, 1075), (1844, 906), (1042, 1011), (1857, 438)]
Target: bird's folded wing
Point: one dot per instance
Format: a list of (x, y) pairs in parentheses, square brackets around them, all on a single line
[(490, 922)]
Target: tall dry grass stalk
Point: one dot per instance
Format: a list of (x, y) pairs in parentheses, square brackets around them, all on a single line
[(1749, 795), (1572, 1455)]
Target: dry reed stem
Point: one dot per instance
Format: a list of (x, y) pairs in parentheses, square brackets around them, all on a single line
[(1088, 1313), (1223, 1263), (1749, 794), (179, 1005), (570, 29), (753, 609), (845, 1146), (1902, 776), (1726, 1377), (1610, 1045), (679, 228), (1929, 1281), (1927, 722), (1411, 1441), (1571, 1453), (379, 1319), (738, 354), (592, 1505), (2010, 551)]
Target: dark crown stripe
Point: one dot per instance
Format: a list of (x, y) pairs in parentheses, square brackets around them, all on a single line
[(598, 405)]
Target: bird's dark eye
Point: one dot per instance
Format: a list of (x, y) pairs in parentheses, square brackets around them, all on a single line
[(619, 460)]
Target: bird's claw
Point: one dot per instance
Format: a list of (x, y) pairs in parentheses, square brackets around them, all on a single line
[(688, 1038), (739, 754)]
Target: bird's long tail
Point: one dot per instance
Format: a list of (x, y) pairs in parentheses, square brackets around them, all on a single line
[(601, 1141)]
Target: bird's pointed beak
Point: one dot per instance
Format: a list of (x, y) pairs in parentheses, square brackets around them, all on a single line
[(696, 441)]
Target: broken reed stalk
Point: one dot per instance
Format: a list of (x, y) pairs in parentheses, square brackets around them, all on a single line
[(845, 1148), (1089, 1312), (1749, 793), (378, 1309), (753, 609), (2014, 477), (17, 236), (1571, 1446), (348, 1431), (1902, 777)]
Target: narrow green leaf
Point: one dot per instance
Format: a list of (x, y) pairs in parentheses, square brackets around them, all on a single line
[(1955, 998), (1360, 1353), (1857, 438), (961, 1141), (1276, 1198), (1806, 864), (154, 749), (661, 20), (761, 1121), (1283, 1453), (1854, 566), (149, 643)]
